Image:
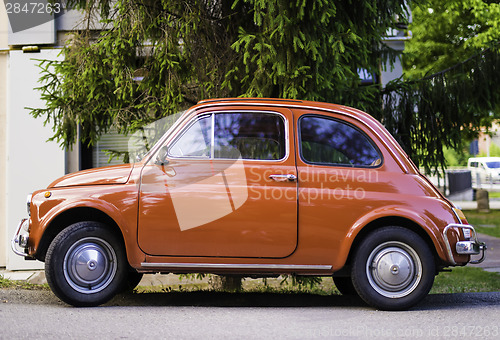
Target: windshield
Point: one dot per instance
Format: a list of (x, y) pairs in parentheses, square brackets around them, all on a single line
[(143, 140), (493, 165)]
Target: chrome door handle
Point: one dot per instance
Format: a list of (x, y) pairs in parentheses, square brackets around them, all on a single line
[(283, 178)]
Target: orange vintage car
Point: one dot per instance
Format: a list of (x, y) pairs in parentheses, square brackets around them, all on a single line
[(252, 187)]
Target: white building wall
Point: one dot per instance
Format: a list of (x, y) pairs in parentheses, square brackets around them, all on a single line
[(32, 162), (27, 161), (4, 58), (397, 43)]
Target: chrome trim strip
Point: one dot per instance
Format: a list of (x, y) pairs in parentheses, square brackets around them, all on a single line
[(212, 136), (179, 134), (349, 112), (236, 266), (481, 245)]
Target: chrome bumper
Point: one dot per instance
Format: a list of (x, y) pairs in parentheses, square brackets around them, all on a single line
[(472, 247), (19, 242)]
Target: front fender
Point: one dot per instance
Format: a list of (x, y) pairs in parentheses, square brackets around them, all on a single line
[(105, 207), (118, 203)]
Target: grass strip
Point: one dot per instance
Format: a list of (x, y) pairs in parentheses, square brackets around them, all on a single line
[(13, 284), (459, 280), (466, 280), (485, 223)]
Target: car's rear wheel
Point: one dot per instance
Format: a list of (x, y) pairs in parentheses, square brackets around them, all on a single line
[(132, 280), (86, 264), (393, 268)]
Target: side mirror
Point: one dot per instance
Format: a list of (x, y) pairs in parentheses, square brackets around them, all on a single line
[(161, 156)]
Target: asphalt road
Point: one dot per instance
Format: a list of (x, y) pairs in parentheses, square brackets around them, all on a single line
[(201, 315)]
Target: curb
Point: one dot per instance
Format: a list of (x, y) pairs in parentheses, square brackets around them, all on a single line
[(148, 280)]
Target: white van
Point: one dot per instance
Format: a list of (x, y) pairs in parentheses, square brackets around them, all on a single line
[(486, 170)]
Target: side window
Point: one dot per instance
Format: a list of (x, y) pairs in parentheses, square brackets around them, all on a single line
[(195, 141), (249, 135), (333, 142)]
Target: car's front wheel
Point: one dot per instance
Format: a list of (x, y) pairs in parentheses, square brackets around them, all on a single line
[(344, 285), (86, 264), (393, 268)]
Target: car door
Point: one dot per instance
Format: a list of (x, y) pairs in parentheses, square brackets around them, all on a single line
[(227, 188), (338, 167)]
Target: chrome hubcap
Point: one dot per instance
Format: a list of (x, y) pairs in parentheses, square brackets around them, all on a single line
[(394, 269), (90, 265)]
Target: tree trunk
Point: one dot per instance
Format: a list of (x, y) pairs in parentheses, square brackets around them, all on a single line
[(227, 283)]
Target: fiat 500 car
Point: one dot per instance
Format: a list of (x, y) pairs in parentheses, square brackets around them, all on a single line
[(252, 187)]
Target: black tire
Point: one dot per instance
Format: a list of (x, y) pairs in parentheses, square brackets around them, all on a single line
[(132, 280), (393, 269), (345, 286), (86, 264)]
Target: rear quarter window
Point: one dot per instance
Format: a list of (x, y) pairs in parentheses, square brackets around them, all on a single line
[(330, 141)]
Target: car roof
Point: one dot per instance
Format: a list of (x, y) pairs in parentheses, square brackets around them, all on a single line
[(291, 103), (363, 117)]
